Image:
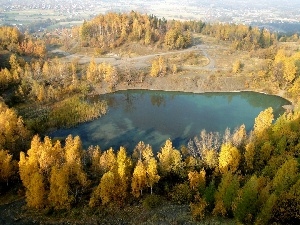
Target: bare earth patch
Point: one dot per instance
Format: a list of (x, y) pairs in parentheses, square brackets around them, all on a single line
[(204, 67)]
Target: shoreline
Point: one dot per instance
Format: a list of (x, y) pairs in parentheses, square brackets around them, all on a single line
[(193, 91)]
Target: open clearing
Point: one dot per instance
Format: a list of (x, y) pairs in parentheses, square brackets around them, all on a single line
[(206, 66)]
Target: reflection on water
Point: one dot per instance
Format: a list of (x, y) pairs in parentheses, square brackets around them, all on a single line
[(154, 116)]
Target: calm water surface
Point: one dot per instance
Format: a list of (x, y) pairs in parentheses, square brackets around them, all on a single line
[(154, 116)]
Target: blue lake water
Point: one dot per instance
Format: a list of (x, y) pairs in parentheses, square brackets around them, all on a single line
[(155, 116)]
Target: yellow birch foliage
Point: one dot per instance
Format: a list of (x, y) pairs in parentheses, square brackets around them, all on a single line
[(239, 136), (139, 179), (169, 159), (158, 67), (32, 177), (59, 196), (108, 186), (249, 156), (198, 208), (7, 166), (147, 153), (35, 191), (123, 169), (197, 180), (108, 160), (210, 158), (152, 173), (95, 197), (73, 151), (91, 72), (263, 121), (229, 158), (50, 155), (290, 69), (13, 133), (138, 151), (95, 154)]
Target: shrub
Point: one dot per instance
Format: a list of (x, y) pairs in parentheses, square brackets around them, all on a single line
[(198, 208), (209, 195), (181, 193), (151, 201)]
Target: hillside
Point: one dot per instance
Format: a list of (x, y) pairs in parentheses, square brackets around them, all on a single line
[(51, 82)]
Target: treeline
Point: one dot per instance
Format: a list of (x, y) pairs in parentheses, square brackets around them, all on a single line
[(13, 40), (112, 30), (243, 37), (253, 178)]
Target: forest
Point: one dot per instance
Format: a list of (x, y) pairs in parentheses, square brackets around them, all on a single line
[(248, 177)]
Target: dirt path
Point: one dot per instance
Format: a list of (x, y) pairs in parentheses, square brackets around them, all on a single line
[(138, 61), (211, 64)]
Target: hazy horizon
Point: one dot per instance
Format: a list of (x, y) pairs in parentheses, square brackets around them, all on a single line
[(265, 13)]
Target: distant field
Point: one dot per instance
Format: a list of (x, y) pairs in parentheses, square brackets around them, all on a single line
[(28, 17)]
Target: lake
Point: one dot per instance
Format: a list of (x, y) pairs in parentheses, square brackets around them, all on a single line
[(155, 116)]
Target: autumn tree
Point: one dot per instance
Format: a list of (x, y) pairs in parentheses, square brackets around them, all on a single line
[(7, 166), (33, 180), (59, 196), (124, 166), (249, 155), (114, 184), (198, 208), (229, 158), (210, 158), (13, 133), (108, 160), (245, 206), (144, 153), (239, 136), (73, 162), (152, 173), (58, 171), (176, 39), (226, 193), (197, 180), (158, 67), (91, 72), (290, 69), (138, 151), (286, 176), (107, 188), (139, 179), (169, 160), (285, 67), (9, 38), (263, 121), (93, 155), (265, 213)]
